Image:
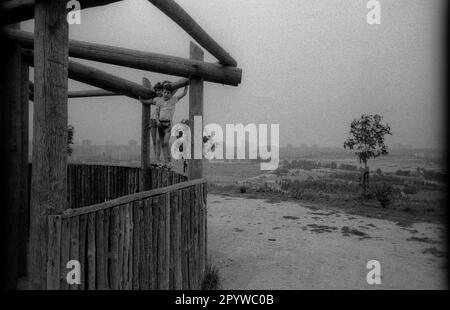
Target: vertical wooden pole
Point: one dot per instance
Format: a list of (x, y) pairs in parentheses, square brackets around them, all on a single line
[(49, 171), (11, 162), (195, 166), (24, 215), (145, 144), (53, 252), (145, 147)]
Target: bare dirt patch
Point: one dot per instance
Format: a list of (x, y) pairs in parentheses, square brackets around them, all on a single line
[(436, 252), (321, 228), (423, 239), (313, 256)]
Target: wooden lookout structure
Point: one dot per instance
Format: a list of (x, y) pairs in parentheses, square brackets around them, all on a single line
[(129, 228)]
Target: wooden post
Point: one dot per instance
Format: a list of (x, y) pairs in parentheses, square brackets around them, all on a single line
[(167, 227), (195, 167), (24, 215), (49, 170), (145, 143), (11, 131), (53, 252)]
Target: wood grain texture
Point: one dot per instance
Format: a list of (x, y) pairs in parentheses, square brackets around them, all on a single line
[(49, 175), (195, 166), (130, 198), (53, 252)]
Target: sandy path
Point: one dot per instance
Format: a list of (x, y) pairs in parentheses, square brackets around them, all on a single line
[(260, 245)]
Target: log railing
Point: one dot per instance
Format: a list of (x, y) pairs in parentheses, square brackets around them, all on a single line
[(149, 240), (89, 185)]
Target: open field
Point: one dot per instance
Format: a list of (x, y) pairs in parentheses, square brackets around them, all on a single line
[(389, 163), (415, 197), (313, 228), (260, 244), (230, 173)]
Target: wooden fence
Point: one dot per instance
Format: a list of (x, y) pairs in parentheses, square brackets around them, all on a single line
[(148, 240), (92, 184)]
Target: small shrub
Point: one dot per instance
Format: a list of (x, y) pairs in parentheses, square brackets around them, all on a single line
[(348, 167), (410, 190), (383, 193), (281, 171), (407, 209), (432, 175), (243, 189), (404, 173), (211, 280)]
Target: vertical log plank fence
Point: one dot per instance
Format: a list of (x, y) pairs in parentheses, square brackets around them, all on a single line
[(149, 240)]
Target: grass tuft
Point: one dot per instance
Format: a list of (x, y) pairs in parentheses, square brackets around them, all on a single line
[(211, 280)]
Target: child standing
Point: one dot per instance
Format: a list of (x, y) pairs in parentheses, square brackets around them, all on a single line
[(153, 119), (165, 110)]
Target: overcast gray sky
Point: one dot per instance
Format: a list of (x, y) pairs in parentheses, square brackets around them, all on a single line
[(311, 66)]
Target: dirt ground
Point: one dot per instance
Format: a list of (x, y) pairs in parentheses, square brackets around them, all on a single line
[(257, 244)]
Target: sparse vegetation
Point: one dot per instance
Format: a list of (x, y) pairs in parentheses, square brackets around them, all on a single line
[(404, 197), (410, 189), (383, 193), (211, 281), (348, 167), (433, 175), (405, 173)]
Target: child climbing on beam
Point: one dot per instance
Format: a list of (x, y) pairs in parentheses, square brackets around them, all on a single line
[(165, 109), (153, 117)]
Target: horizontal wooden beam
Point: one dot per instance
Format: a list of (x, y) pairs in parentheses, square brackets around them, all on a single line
[(101, 92), (84, 94), (104, 93), (185, 21), (165, 64), (91, 93), (130, 198), (15, 11), (101, 79)]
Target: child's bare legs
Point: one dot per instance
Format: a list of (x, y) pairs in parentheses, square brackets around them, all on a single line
[(164, 137), (166, 146)]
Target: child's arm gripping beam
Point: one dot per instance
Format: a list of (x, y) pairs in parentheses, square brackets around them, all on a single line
[(183, 94)]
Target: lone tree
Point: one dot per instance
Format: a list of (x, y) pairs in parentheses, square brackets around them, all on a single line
[(367, 140)]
